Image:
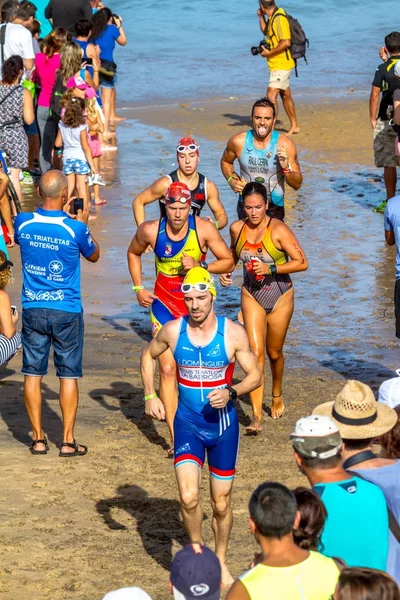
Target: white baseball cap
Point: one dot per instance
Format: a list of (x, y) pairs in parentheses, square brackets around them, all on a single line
[(389, 390), (316, 436), (128, 593)]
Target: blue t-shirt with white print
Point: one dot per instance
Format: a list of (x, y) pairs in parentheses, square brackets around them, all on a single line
[(51, 243), (392, 223)]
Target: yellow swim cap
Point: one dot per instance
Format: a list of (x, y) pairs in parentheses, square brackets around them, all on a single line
[(199, 277)]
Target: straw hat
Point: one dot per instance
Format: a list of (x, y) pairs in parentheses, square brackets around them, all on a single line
[(357, 414)]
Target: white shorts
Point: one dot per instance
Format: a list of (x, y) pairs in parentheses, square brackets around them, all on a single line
[(279, 79)]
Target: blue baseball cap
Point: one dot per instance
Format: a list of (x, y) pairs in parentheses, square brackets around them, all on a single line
[(196, 573)]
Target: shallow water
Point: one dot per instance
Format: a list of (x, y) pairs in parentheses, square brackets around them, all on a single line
[(202, 49)]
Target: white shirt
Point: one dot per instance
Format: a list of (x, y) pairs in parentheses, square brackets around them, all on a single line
[(18, 41), (72, 142)]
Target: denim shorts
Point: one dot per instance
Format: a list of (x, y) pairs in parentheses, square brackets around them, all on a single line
[(109, 84), (45, 327), (74, 165)]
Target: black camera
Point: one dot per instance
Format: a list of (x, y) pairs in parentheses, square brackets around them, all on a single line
[(258, 49), (114, 16)]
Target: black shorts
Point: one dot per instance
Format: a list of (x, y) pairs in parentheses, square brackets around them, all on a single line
[(274, 211), (397, 306)]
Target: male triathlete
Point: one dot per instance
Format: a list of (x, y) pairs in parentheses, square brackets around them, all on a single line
[(202, 190), (180, 241), (205, 348), (265, 155)]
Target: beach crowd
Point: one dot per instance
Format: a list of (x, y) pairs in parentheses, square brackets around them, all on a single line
[(338, 538)]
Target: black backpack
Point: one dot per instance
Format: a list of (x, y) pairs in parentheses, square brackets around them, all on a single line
[(299, 40), (58, 92)]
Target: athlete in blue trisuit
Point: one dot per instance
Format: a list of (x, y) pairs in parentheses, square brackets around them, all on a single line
[(264, 155), (205, 348)]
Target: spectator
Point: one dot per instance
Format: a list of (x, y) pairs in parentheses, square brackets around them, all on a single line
[(360, 419), (312, 518), (392, 231), (51, 243), (385, 82), (47, 63), (285, 571), (65, 13), (10, 339), (16, 108), (365, 584), (71, 65), (9, 11), (195, 573), (83, 28), (18, 38), (390, 441), (351, 502), (106, 30), (128, 593)]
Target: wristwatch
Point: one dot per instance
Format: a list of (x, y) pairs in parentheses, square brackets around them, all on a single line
[(232, 393), (272, 270), (203, 264)]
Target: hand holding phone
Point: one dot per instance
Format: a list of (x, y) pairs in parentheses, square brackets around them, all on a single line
[(76, 204)]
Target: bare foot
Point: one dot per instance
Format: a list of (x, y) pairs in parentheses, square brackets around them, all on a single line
[(293, 130), (277, 407), (227, 579), (116, 118), (170, 452), (254, 427), (108, 135)]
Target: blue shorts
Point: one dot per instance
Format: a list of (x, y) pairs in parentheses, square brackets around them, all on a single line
[(159, 315), (109, 84), (73, 165), (45, 327), (191, 444), (31, 129)]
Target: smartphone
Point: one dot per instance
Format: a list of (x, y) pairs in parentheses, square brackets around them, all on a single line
[(13, 310), (87, 61), (76, 205)]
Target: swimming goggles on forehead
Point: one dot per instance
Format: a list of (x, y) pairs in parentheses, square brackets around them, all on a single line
[(199, 287), (190, 147), (182, 200)]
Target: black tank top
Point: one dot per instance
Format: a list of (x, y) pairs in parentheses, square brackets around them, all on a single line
[(199, 194)]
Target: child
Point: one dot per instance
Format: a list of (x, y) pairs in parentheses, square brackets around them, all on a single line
[(96, 127), (77, 158)]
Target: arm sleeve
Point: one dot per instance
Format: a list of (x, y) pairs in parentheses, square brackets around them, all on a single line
[(48, 13), (378, 79), (281, 28), (388, 223), (8, 347), (85, 242)]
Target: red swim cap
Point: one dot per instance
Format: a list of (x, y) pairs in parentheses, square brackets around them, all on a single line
[(178, 192), (187, 143)]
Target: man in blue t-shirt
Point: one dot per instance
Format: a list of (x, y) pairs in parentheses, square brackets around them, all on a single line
[(51, 242), (392, 237), (357, 525)]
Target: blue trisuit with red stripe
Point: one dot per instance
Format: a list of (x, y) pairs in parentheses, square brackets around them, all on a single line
[(198, 427)]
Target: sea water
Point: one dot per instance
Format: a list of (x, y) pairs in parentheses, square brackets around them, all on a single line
[(188, 50)]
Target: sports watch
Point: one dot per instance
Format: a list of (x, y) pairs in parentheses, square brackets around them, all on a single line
[(232, 393), (203, 264), (273, 270)]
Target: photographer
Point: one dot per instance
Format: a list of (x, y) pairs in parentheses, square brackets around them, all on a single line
[(276, 29), (65, 13), (106, 30)]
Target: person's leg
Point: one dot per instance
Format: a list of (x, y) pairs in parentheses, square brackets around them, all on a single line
[(33, 403), (390, 178), (106, 95), (255, 324), (277, 325), (71, 184), (188, 476), (47, 130), (288, 105), (222, 521), (14, 174), (96, 188), (69, 399), (34, 146), (272, 94), (168, 390), (82, 190)]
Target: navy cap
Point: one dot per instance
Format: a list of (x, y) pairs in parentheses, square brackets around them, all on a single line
[(196, 573)]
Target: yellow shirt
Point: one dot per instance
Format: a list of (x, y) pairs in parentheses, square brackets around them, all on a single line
[(278, 29), (313, 579)]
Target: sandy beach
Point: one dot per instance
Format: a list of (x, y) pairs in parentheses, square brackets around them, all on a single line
[(78, 528)]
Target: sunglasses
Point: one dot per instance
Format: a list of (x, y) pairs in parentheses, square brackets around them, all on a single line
[(182, 200), (199, 287), (191, 147)]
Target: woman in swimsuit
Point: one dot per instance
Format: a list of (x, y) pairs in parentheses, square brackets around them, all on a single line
[(263, 245)]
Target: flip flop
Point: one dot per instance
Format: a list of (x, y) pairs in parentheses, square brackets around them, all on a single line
[(33, 444), (77, 452), (102, 201)]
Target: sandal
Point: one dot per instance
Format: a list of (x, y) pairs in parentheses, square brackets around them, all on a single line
[(75, 445), (33, 444)]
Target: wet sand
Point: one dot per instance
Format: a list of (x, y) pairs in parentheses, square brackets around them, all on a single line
[(78, 528)]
